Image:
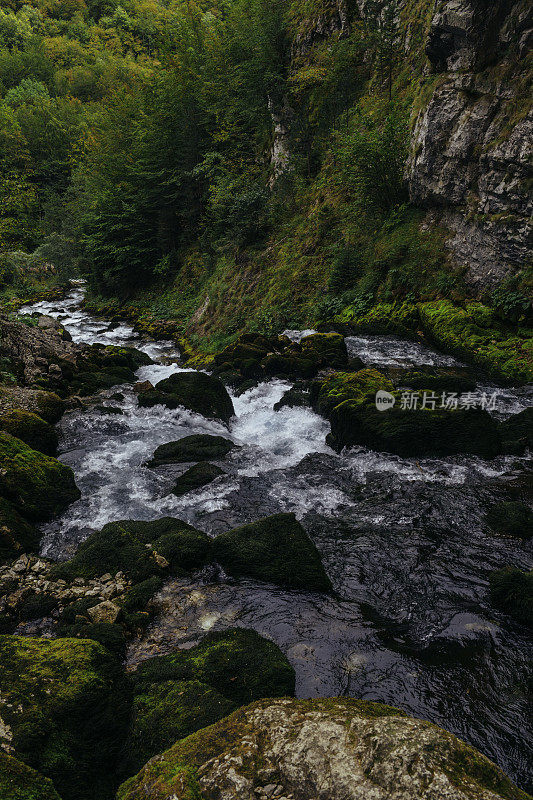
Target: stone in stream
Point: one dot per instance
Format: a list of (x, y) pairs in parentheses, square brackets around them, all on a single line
[(198, 447), (512, 591), (122, 547), (65, 707), (188, 689), (348, 401), (335, 749), (38, 486), (195, 477), (275, 549), (517, 432), (511, 518), (196, 391)]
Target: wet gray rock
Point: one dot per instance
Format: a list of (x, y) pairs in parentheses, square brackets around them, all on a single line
[(321, 750), (34, 349), (468, 163)]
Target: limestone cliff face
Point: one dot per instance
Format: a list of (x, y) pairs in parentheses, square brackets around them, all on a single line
[(472, 143)]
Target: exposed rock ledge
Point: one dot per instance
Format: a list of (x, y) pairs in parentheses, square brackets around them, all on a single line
[(320, 750)]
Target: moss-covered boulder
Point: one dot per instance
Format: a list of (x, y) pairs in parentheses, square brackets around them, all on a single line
[(198, 447), (104, 366), (517, 432), (195, 477), (186, 690), (294, 398), (338, 749), (38, 486), (275, 549), (196, 391), (31, 429), (436, 380), (357, 387), (290, 364), (512, 591), (325, 350), (20, 782), (65, 707), (415, 432), (46, 405), (348, 401), (17, 535), (244, 356), (122, 547), (165, 712), (511, 518)]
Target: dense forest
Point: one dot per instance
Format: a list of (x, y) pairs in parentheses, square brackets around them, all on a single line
[(223, 165)]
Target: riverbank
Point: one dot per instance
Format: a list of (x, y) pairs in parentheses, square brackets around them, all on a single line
[(409, 603)]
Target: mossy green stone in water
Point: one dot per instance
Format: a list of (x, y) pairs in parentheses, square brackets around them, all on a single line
[(512, 518), (435, 380), (475, 334), (517, 432), (354, 386), (38, 486), (17, 535), (325, 349), (196, 391), (415, 432), (20, 782), (195, 477), (238, 663), (121, 547), (198, 447), (66, 704), (275, 549), (512, 592), (30, 429)]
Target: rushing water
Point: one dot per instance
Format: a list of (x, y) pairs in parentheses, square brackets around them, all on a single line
[(403, 540)]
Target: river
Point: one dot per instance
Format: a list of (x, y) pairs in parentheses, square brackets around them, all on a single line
[(404, 542)]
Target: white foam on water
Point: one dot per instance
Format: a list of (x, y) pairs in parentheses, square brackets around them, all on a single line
[(393, 352)]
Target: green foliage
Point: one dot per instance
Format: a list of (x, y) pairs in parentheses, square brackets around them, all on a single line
[(121, 547)]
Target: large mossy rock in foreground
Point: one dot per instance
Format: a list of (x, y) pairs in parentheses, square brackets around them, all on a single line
[(198, 447), (275, 549), (65, 707), (336, 749), (38, 486), (177, 694), (20, 782), (204, 394)]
